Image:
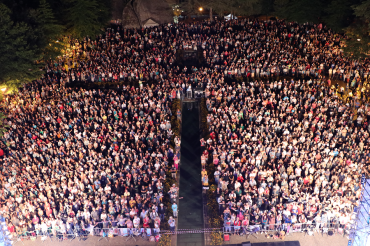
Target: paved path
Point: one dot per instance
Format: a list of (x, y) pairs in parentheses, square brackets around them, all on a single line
[(190, 207)]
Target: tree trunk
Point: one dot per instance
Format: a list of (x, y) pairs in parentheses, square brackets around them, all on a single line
[(210, 14)]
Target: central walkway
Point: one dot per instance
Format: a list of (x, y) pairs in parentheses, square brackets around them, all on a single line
[(190, 207)]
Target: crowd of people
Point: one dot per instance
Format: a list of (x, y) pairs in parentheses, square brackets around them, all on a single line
[(248, 48), (93, 157), (86, 157), (286, 152)]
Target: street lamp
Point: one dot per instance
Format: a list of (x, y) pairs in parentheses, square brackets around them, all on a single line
[(200, 9), (3, 89)]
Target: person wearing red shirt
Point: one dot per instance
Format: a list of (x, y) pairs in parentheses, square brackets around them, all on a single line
[(313, 208), (240, 178), (11, 228)]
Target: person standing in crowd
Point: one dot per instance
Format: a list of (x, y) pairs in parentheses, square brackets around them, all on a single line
[(172, 224), (174, 210)]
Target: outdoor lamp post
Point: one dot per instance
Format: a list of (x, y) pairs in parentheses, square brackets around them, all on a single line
[(200, 9)]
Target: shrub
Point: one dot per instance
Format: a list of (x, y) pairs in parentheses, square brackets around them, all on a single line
[(216, 238), (165, 240)]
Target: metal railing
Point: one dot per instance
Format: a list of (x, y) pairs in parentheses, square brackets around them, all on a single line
[(309, 228), (75, 232), (147, 234), (152, 234), (51, 234)]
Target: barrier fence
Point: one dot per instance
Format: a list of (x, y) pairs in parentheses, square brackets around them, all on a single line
[(307, 228), (109, 230), (148, 234)]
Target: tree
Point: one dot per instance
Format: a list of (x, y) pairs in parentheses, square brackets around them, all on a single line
[(17, 55), (300, 11), (339, 14), (266, 7), (235, 7), (357, 41), (363, 11), (86, 17), (306, 11), (245, 7), (48, 30), (281, 8)]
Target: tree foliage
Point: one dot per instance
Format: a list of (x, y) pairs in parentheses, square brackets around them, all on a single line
[(48, 30), (222, 7), (357, 41), (363, 11), (339, 14), (86, 18), (300, 11), (17, 56), (32, 32)]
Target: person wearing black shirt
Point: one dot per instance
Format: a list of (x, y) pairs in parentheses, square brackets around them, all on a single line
[(161, 211)]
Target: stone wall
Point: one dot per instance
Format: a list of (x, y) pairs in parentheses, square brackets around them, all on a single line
[(158, 10), (136, 12), (117, 8)]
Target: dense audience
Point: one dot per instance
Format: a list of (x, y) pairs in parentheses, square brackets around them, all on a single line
[(82, 157), (86, 156), (285, 152)]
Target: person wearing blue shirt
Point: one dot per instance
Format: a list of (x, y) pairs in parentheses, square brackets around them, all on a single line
[(174, 209), (97, 184), (335, 152), (172, 224)]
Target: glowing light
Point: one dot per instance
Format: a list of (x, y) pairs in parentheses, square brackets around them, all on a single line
[(200, 9), (3, 89)]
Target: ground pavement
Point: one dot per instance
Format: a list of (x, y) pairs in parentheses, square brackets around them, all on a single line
[(316, 240), (190, 206), (90, 241)]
